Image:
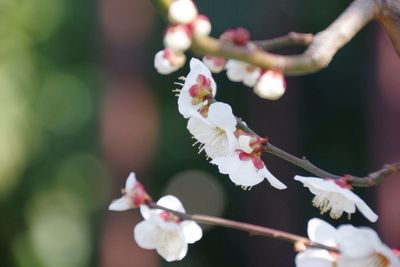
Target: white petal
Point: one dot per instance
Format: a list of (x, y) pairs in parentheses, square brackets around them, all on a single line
[(356, 243), (182, 12), (185, 106), (236, 70), (191, 231), (201, 129), (272, 179), (314, 258), (361, 205), (130, 182), (244, 143), (145, 211), (196, 68), (246, 174), (251, 78), (173, 247), (321, 232), (171, 202), (146, 235), (226, 165), (177, 38), (220, 115), (201, 28), (120, 204)]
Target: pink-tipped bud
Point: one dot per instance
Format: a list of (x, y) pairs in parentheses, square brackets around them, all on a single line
[(182, 12), (241, 36), (215, 64), (201, 26), (178, 38), (167, 61), (271, 85)]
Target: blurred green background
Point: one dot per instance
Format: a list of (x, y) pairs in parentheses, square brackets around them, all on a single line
[(81, 107)]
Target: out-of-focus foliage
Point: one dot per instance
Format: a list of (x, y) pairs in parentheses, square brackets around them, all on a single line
[(52, 183)]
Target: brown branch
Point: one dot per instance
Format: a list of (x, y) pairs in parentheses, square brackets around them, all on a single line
[(246, 227), (375, 178), (389, 17), (291, 39), (319, 54)]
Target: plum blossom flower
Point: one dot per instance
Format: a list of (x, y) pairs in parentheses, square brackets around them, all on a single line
[(270, 85), (178, 37), (133, 196), (335, 195), (358, 247), (201, 26), (182, 12), (215, 64), (165, 232), (245, 167), (167, 61), (198, 89), (239, 71), (216, 132)]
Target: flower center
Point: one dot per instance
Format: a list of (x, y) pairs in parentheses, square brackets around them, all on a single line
[(201, 91), (330, 201), (169, 217)]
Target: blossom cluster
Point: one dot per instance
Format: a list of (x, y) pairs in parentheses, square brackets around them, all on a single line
[(268, 84), (358, 247), (235, 151), (184, 24), (163, 231)]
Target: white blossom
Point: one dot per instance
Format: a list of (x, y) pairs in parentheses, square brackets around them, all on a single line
[(329, 195), (358, 247), (215, 64), (177, 38), (167, 61), (133, 195), (239, 71), (165, 232), (270, 85), (216, 132), (244, 173), (182, 12), (201, 26), (198, 88)]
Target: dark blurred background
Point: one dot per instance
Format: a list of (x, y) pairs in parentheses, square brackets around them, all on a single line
[(81, 106)]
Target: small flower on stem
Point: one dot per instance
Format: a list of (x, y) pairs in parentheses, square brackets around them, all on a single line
[(215, 64), (201, 26), (245, 167), (133, 196), (239, 71), (216, 131), (167, 61), (182, 12), (166, 232), (335, 196), (270, 85), (178, 37), (198, 89), (358, 247)]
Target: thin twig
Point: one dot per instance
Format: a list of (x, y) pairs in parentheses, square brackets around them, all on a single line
[(246, 227), (291, 39), (319, 54)]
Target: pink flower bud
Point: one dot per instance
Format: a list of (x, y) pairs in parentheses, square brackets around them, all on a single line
[(182, 12), (215, 64), (201, 26), (167, 61), (178, 38), (271, 85)]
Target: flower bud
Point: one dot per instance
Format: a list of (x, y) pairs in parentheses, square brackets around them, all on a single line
[(271, 85), (215, 64), (182, 12), (177, 38), (201, 26), (167, 61)]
